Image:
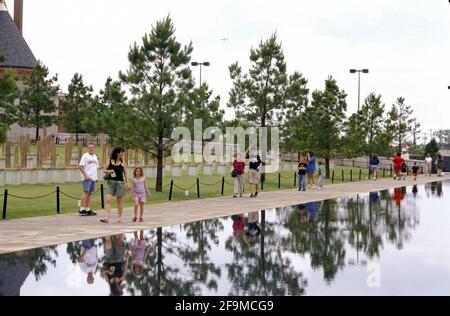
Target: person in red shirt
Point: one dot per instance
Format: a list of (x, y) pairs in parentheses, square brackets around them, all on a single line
[(397, 162), (239, 165)]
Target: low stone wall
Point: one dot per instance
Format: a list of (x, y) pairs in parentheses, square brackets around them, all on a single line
[(364, 162), (58, 175)]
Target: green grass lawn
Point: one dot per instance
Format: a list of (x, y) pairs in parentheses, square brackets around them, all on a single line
[(184, 189)]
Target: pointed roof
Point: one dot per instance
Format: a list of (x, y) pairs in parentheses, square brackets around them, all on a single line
[(12, 44)]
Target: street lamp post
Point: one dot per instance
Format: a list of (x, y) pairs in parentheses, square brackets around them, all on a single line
[(205, 63), (359, 71)]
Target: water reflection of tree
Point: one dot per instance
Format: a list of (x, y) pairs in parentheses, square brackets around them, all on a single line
[(263, 271), (321, 238), (166, 277), (15, 267)]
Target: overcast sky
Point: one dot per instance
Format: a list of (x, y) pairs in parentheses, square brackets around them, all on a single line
[(404, 43)]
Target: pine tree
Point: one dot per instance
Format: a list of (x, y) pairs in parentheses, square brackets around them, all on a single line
[(156, 80), (75, 106), (37, 105), (8, 94), (400, 122), (321, 127)]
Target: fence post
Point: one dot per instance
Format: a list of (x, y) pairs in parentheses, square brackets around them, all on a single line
[(57, 201), (360, 174), (351, 175), (384, 173), (262, 183), (332, 177), (391, 172), (171, 189), (295, 179), (198, 188), (102, 196), (223, 184), (370, 174), (5, 203), (343, 175), (279, 180)]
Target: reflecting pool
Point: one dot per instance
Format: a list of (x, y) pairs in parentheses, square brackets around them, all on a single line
[(393, 242)]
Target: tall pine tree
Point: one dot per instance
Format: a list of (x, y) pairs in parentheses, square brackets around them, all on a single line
[(76, 105), (37, 105), (400, 122)]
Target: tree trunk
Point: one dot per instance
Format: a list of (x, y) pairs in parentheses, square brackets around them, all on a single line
[(37, 132), (159, 259), (76, 138), (327, 168), (159, 172)]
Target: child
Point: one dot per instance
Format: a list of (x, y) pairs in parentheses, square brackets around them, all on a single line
[(320, 175), (302, 175), (397, 162), (139, 192), (404, 170), (415, 170), (139, 253)]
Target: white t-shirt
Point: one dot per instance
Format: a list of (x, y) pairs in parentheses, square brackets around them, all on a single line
[(428, 160), (90, 164), (90, 260)]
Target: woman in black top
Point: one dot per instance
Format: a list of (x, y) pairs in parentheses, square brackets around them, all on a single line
[(116, 172)]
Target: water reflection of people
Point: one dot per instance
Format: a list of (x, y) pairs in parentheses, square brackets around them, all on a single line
[(254, 230), (139, 253), (415, 190), (439, 191), (116, 263), (238, 225), (399, 195), (307, 212), (89, 259), (374, 196)]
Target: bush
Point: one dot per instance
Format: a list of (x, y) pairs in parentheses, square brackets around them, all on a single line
[(431, 148)]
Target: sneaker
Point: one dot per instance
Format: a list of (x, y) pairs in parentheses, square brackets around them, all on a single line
[(304, 190), (83, 213), (251, 195), (320, 188), (255, 195), (234, 196), (91, 213), (240, 195)]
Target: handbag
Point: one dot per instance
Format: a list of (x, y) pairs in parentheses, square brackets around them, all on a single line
[(107, 176), (234, 173)]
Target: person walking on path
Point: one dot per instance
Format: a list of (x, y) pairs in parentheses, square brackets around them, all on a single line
[(139, 192), (254, 175), (302, 175), (415, 170), (238, 170), (439, 164), (320, 173), (116, 174), (428, 163), (374, 165), (398, 162), (89, 167), (311, 168)]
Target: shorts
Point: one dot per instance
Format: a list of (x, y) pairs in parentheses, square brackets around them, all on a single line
[(88, 186), (253, 176), (88, 244), (115, 188), (374, 168), (115, 254), (140, 197)]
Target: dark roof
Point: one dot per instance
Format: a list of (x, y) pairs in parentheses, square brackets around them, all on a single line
[(13, 45)]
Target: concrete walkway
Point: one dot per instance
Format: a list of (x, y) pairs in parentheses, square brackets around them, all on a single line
[(43, 231)]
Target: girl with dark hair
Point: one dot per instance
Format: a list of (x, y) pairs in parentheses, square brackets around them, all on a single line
[(116, 174)]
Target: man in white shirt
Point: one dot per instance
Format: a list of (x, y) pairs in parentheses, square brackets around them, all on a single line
[(428, 161), (88, 167), (89, 259)]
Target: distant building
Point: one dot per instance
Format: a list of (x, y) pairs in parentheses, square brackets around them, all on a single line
[(19, 58)]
